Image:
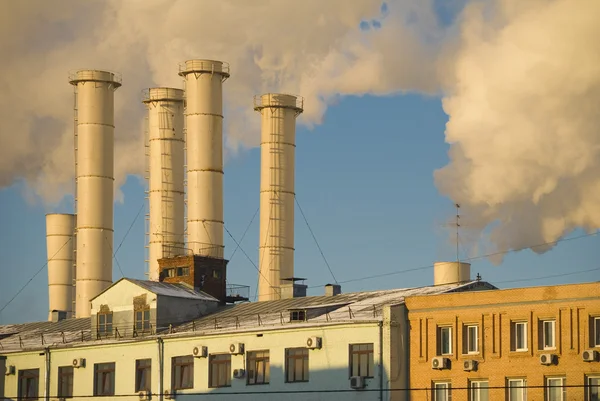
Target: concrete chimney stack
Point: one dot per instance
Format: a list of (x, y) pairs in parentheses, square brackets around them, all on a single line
[(60, 246), (94, 135), (278, 144), (204, 155), (165, 182)]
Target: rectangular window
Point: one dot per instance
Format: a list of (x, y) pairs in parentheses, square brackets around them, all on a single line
[(183, 271), (65, 381), (105, 322), (142, 320), (143, 375), (361, 360), (296, 365), (517, 390), (258, 367), (548, 334), (104, 379), (219, 370), (595, 332), (518, 336), (298, 316), (444, 340), (29, 382), (593, 388), (182, 372), (470, 339), (555, 389), (479, 390), (442, 391)]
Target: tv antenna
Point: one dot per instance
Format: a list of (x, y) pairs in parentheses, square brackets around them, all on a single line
[(457, 230)]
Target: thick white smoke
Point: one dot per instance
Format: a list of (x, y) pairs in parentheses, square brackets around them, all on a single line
[(523, 97)]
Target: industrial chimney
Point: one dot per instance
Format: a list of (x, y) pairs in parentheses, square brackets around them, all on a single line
[(60, 245), (94, 162), (277, 149), (204, 155), (165, 182), (451, 272)]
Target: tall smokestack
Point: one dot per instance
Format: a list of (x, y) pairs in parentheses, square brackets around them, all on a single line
[(94, 135), (277, 150), (166, 162), (204, 154), (60, 245)]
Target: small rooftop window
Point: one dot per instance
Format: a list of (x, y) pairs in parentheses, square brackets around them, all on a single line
[(298, 315)]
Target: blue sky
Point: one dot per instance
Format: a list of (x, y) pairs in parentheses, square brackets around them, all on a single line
[(365, 184)]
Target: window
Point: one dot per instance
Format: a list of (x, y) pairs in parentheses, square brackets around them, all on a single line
[(29, 380), (593, 388), (361, 360), (442, 391), (296, 365), (444, 340), (105, 321), (183, 271), (517, 390), (219, 371), (182, 372), (298, 316), (65, 381), (470, 339), (258, 367), (518, 336), (170, 272), (104, 379), (216, 274), (479, 390), (548, 334), (142, 320), (143, 374), (595, 332), (555, 389)]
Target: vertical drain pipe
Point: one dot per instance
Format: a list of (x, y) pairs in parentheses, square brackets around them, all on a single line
[(47, 375), (161, 367)]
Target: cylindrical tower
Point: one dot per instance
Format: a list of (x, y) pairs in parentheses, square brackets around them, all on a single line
[(165, 183), (277, 155), (95, 180), (60, 245), (451, 272), (204, 154)]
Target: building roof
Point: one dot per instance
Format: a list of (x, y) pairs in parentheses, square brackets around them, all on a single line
[(175, 290)]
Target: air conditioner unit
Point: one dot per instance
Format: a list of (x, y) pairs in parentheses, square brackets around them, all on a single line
[(200, 351), (239, 373), (169, 394), (145, 395), (79, 363), (590, 355), (236, 348), (547, 359), (469, 365), (10, 370), (314, 342), (357, 382), (439, 362)]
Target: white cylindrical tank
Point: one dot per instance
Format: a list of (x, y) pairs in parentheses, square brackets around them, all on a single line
[(60, 245), (204, 154), (451, 272), (95, 181), (277, 155), (165, 183)]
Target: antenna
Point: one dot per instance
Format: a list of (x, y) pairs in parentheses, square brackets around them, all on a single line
[(457, 230)]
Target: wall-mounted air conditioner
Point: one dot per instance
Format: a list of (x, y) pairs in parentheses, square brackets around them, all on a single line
[(145, 395), (589, 355), (236, 348), (200, 351), (547, 359), (439, 362), (314, 342), (239, 373), (357, 382), (79, 363), (469, 365)]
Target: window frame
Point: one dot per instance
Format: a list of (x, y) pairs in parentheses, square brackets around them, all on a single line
[(253, 362), (297, 354), (67, 372), (182, 361), (563, 386), (522, 387), (298, 315), (440, 350), (105, 368), (447, 385), (104, 328), (467, 339), (370, 362), (595, 331), (28, 376), (475, 389), (143, 368), (589, 387), (515, 337), (216, 361), (543, 333), (142, 324)]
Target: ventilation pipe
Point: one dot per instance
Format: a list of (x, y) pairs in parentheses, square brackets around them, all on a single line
[(94, 103), (165, 182), (277, 149), (60, 245), (451, 272), (204, 154)]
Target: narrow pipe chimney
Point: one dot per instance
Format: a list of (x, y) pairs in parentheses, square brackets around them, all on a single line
[(165, 182), (60, 245), (277, 149), (204, 154), (94, 135)]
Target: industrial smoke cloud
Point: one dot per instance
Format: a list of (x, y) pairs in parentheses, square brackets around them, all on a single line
[(520, 82)]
